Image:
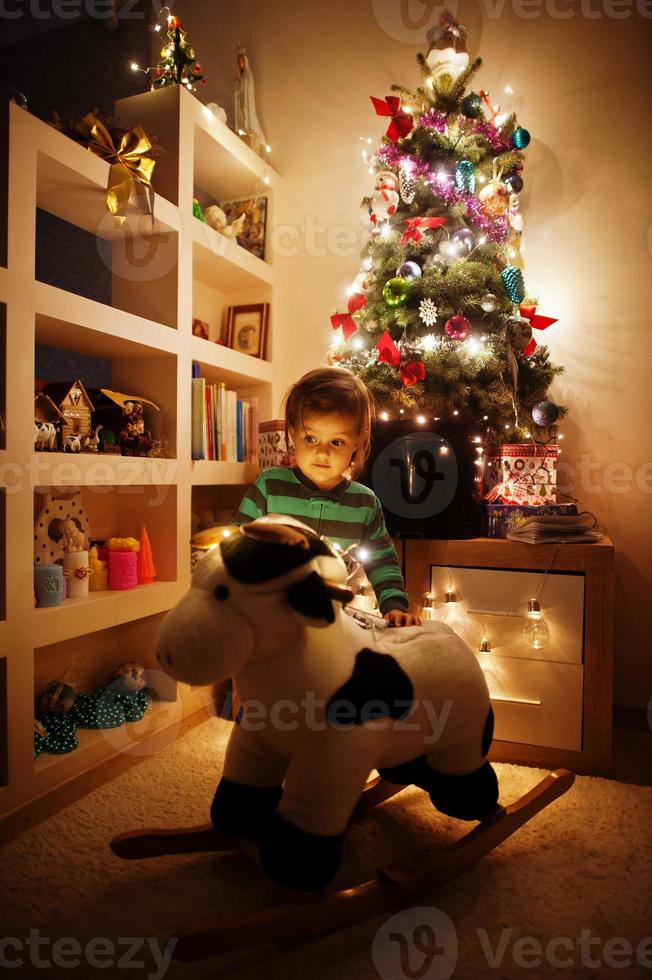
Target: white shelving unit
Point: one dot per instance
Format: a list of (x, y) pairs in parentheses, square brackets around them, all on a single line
[(163, 272)]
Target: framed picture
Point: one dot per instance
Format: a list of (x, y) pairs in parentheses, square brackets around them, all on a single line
[(252, 236), (247, 328)]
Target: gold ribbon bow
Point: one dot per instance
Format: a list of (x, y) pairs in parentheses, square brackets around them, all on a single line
[(129, 165)]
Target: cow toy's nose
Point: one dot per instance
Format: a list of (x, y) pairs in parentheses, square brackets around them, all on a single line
[(164, 659)]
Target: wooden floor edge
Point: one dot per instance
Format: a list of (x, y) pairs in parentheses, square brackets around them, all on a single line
[(28, 815)]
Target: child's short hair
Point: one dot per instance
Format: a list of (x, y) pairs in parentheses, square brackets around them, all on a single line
[(325, 391)]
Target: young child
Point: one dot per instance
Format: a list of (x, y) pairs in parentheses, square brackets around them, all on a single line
[(328, 415)]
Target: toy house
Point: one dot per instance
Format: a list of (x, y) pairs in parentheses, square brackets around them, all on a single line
[(75, 406)]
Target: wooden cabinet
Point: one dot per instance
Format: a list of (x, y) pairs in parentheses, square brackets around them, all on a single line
[(161, 272), (552, 702)]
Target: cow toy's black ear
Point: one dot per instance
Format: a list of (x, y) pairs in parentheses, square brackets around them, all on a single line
[(311, 597)]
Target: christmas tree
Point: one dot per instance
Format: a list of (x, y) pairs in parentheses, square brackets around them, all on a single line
[(438, 318), (146, 567), (178, 65)]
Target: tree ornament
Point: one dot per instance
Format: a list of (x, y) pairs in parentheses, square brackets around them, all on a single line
[(446, 65), (361, 282), (512, 278), (463, 241), (407, 185), (465, 176), (545, 413), (409, 270), (436, 263), (518, 331), (514, 215), (428, 312), (386, 180), (384, 204), (457, 327), (396, 291), (494, 197), (489, 302), (471, 106), (514, 181), (520, 138)]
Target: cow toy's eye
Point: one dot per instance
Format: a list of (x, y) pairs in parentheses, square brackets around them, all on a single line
[(221, 592)]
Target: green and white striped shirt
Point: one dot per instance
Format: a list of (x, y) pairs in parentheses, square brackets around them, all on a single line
[(348, 514)]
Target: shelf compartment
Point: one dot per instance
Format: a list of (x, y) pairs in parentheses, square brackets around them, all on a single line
[(134, 369), (215, 473), (49, 469), (225, 167), (100, 610), (103, 512), (108, 330), (222, 264), (72, 182), (96, 657), (220, 363), (3, 379), (4, 740)]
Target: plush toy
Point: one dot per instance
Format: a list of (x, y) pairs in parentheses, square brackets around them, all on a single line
[(324, 700)]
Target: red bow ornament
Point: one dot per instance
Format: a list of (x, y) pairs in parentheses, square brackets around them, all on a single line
[(401, 123), (388, 353), (538, 322), (415, 224), (345, 320)]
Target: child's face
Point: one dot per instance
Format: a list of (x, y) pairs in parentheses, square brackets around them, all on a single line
[(324, 447)]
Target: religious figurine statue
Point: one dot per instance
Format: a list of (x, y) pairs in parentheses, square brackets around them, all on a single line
[(246, 118)]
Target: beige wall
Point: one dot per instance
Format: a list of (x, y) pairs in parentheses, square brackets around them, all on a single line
[(584, 88)]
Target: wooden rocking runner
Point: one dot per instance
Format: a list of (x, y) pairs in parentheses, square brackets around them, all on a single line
[(313, 915)]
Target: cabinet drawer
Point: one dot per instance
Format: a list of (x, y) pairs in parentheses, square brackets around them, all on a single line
[(495, 591), (535, 702)]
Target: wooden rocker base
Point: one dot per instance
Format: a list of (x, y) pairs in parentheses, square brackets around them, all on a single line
[(313, 915)]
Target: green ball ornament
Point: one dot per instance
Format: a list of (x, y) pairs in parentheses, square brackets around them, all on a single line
[(465, 176), (396, 290), (520, 138), (545, 413), (471, 106), (512, 278)]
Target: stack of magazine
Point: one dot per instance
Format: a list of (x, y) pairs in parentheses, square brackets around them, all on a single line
[(552, 529)]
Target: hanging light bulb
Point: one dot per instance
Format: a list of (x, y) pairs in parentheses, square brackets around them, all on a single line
[(485, 645), (427, 610), (535, 631), (450, 614)]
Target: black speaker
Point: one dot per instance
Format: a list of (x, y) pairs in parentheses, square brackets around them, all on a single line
[(424, 475)]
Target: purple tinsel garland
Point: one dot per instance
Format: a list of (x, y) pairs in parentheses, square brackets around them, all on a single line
[(443, 187)]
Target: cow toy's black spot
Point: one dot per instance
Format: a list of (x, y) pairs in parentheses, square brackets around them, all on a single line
[(377, 688), (251, 561)]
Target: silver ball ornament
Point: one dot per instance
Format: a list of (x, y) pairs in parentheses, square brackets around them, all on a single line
[(463, 240), (409, 270), (545, 413), (518, 331), (489, 302)]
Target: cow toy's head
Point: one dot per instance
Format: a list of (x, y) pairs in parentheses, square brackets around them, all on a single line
[(250, 595)]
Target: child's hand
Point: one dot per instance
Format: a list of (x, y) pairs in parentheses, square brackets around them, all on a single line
[(397, 617)]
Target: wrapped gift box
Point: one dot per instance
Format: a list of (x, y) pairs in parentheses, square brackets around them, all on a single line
[(522, 474), (273, 449), (502, 518)]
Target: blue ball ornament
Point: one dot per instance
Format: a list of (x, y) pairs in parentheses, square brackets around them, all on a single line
[(520, 138)]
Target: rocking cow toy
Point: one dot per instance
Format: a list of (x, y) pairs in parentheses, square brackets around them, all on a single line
[(325, 702)]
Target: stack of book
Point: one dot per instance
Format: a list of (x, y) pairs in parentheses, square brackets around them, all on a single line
[(553, 529), (224, 427)]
